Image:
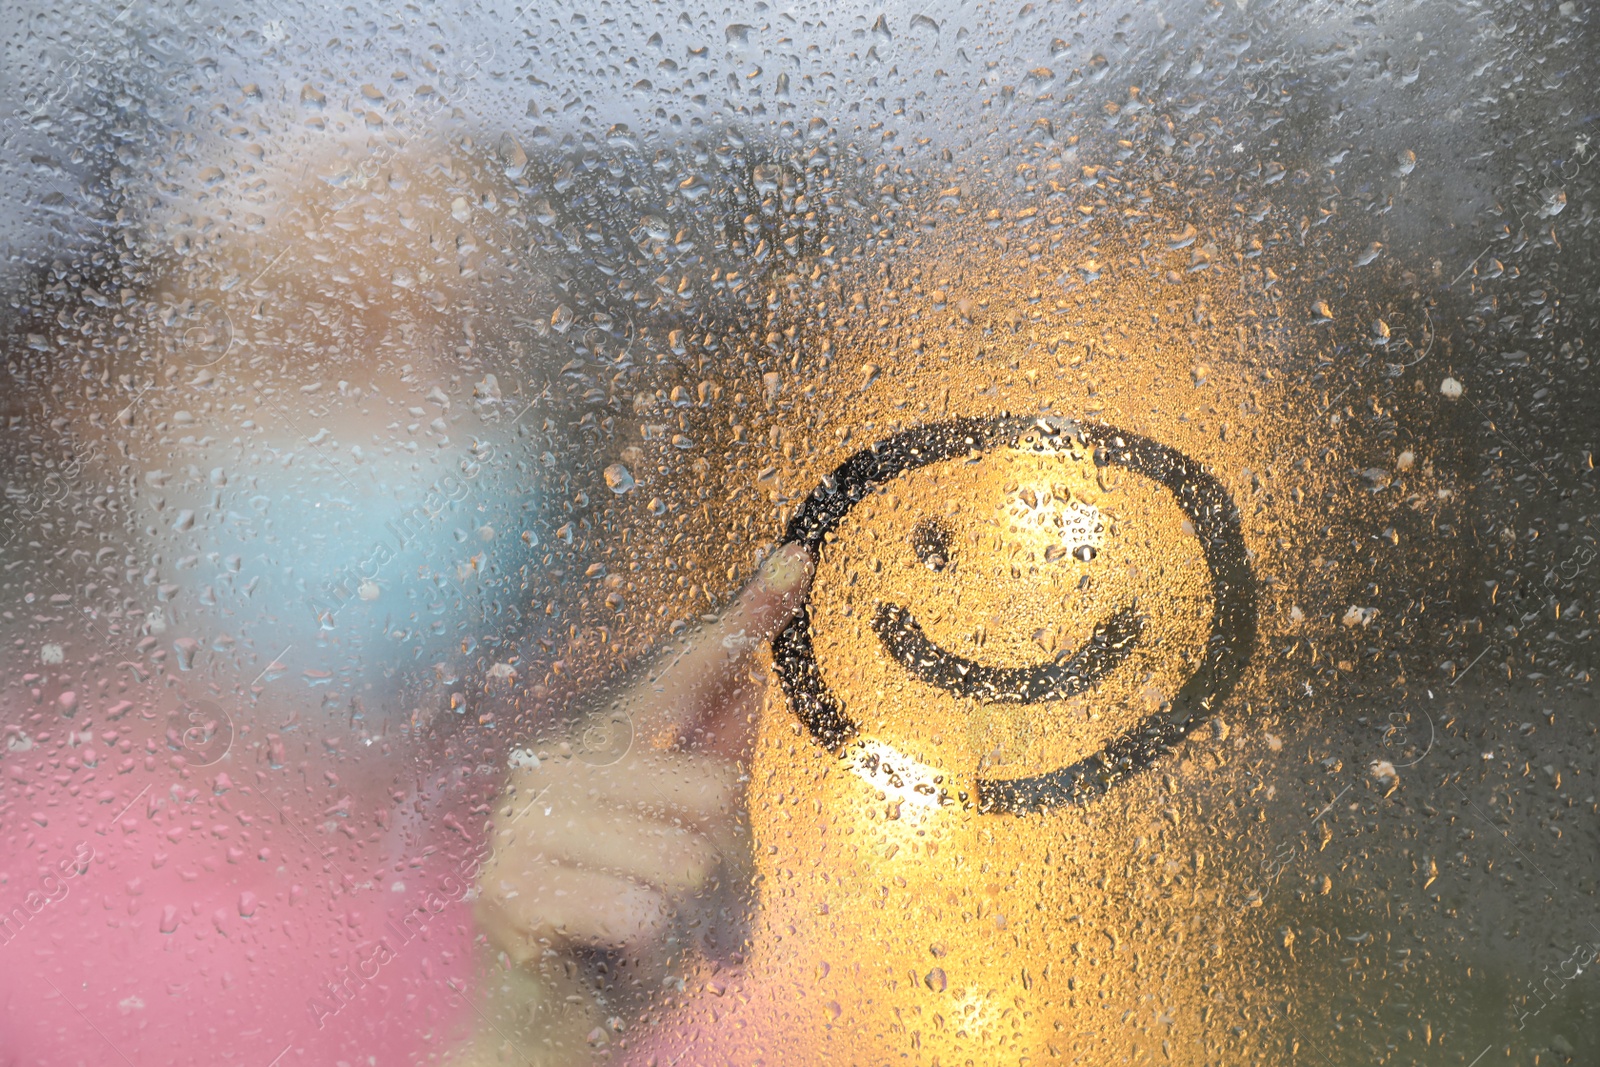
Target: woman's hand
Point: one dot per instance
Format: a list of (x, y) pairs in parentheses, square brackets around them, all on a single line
[(640, 848)]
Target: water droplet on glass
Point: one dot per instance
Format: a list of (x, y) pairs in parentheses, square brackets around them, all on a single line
[(512, 157), (618, 478)]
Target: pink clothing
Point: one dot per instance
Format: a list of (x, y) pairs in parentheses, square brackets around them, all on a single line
[(214, 923)]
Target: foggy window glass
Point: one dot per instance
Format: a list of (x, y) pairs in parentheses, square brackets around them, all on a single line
[(948, 534)]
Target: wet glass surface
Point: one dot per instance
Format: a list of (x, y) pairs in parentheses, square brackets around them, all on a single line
[(951, 534)]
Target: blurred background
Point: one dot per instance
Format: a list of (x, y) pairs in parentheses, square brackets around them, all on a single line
[(380, 380)]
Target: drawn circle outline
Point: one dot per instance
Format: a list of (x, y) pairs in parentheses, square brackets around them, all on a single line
[(1203, 500)]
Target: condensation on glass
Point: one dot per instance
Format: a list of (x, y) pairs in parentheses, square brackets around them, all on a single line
[(971, 534)]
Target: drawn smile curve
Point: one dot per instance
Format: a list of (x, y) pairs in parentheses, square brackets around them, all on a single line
[(1056, 679)]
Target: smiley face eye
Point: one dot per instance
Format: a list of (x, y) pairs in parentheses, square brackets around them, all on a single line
[(930, 540)]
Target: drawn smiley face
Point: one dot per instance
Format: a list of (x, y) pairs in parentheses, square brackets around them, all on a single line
[(932, 629)]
